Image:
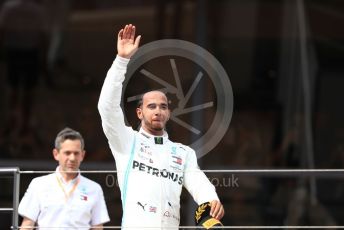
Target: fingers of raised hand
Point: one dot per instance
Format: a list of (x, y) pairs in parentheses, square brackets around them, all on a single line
[(129, 32)]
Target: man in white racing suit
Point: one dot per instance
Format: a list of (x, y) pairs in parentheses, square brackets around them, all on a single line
[(151, 168)]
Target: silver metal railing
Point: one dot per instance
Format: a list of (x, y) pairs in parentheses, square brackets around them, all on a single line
[(15, 173), (296, 173)]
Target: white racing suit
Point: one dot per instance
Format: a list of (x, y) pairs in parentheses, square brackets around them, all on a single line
[(150, 172)]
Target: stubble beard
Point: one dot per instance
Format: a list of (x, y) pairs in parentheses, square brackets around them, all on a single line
[(151, 126), (157, 128)]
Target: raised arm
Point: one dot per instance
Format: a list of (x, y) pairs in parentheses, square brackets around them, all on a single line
[(127, 44), (118, 135)]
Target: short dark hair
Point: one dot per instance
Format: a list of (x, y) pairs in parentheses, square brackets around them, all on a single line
[(140, 101), (68, 134)]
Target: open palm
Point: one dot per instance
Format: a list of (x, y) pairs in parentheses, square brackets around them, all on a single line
[(127, 44)]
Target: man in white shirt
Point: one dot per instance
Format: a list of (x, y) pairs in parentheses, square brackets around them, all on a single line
[(64, 199), (151, 169)]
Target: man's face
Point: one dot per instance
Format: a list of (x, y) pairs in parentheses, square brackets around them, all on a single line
[(154, 112), (70, 155)]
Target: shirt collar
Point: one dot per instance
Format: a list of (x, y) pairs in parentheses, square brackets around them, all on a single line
[(154, 139), (60, 177)]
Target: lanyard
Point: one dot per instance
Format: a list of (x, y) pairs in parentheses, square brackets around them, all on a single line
[(67, 195)]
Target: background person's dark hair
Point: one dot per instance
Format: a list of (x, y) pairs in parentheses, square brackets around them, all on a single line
[(68, 134)]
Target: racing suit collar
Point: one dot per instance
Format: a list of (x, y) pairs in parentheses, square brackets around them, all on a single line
[(154, 139)]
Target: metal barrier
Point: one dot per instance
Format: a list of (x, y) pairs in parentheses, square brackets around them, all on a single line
[(296, 173), (15, 173)]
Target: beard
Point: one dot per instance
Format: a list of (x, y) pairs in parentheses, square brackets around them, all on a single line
[(154, 126), (157, 128)]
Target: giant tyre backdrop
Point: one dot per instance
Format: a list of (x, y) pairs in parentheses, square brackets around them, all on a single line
[(152, 57)]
